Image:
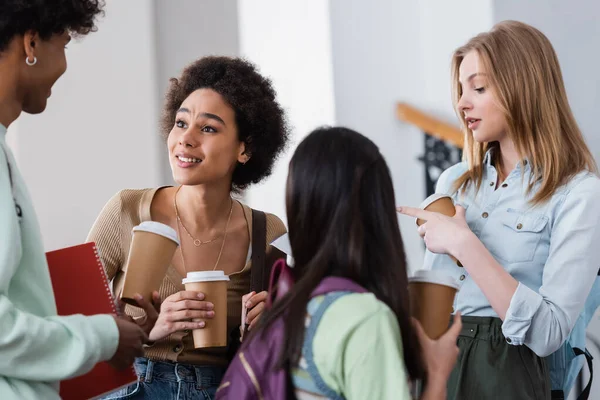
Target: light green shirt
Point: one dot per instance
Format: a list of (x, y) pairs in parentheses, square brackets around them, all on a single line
[(358, 349), (37, 348)]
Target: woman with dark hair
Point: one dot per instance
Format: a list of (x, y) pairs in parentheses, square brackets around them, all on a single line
[(38, 348), (224, 129), (342, 223)]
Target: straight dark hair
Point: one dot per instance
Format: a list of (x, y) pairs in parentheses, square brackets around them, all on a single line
[(342, 222)]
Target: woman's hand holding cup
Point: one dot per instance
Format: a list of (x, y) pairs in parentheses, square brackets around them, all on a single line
[(440, 355), (181, 311)]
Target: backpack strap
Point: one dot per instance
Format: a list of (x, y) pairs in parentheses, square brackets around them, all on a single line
[(337, 284), (258, 273), (333, 287), (307, 348), (585, 394)]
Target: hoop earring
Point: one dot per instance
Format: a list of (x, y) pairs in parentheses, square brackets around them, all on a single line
[(31, 63)]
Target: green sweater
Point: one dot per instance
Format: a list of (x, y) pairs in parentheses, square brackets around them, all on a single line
[(37, 348)]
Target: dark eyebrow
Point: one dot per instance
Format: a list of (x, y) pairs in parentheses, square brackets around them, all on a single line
[(206, 115)]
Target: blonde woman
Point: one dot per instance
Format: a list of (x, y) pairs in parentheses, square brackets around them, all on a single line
[(527, 230)]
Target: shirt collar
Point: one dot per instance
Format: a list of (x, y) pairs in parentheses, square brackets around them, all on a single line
[(487, 160)]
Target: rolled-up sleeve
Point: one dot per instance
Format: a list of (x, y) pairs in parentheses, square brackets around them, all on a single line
[(543, 321)]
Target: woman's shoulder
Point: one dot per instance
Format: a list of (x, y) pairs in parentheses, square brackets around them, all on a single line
[(449, 176), (584, 181), (354, 309), (130, 202), (275, 226), (131, 198)]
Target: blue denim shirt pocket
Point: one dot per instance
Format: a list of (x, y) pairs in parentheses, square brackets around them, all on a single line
[(519, 235)]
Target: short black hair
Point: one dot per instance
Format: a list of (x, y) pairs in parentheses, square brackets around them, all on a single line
[(260, 119), (47, 18)]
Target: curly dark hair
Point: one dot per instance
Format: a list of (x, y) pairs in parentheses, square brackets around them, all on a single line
[(47, 17), (260, 120)]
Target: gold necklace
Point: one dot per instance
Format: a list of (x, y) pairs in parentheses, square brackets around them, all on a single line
[(197, 242), (179, 221)]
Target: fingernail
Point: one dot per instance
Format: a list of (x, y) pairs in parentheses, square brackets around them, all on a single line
[(138, 296), (210, 306), (201, 296), (201, 324), (210, 313), (399, 209), (248, 304)]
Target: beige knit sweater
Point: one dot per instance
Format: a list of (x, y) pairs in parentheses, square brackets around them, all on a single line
[(112, 233)]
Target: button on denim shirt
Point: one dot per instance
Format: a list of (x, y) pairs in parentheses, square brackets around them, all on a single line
[(551, 249)]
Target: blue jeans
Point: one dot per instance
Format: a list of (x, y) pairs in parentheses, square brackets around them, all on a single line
[(166, 380)]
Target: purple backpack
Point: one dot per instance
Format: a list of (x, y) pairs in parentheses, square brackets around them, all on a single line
[(252, 373)]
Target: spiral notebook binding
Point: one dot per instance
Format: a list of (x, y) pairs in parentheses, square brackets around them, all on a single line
[(115, 310)]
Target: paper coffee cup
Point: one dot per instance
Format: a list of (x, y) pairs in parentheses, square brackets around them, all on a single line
[(440, 203), (432, 295), (214, 286), (150, 255)]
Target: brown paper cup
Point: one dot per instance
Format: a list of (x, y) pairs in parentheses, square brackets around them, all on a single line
[(440, 203), (150, 255), (214, 286), (431, 298)]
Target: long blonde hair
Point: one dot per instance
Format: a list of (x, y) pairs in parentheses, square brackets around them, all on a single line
[(525, 77)]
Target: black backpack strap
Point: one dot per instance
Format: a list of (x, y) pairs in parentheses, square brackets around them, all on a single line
[(585, 394), (258, 274)]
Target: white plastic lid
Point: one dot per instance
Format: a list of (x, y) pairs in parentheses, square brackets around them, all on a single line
[(205, 276), (159, 229), (434, 276), (432, 198)]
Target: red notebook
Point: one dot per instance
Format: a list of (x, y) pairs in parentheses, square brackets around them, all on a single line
[(81, 287)]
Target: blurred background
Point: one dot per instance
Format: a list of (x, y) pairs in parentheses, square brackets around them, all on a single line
[(342, 62)]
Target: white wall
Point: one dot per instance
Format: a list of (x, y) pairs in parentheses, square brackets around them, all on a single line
[(98, 134), (376, 63), (573, 28), (187, 30), (290, 43), (443, 27), (399, 51)]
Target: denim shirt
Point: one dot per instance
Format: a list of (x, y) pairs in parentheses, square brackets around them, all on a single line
[(551, 249)]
